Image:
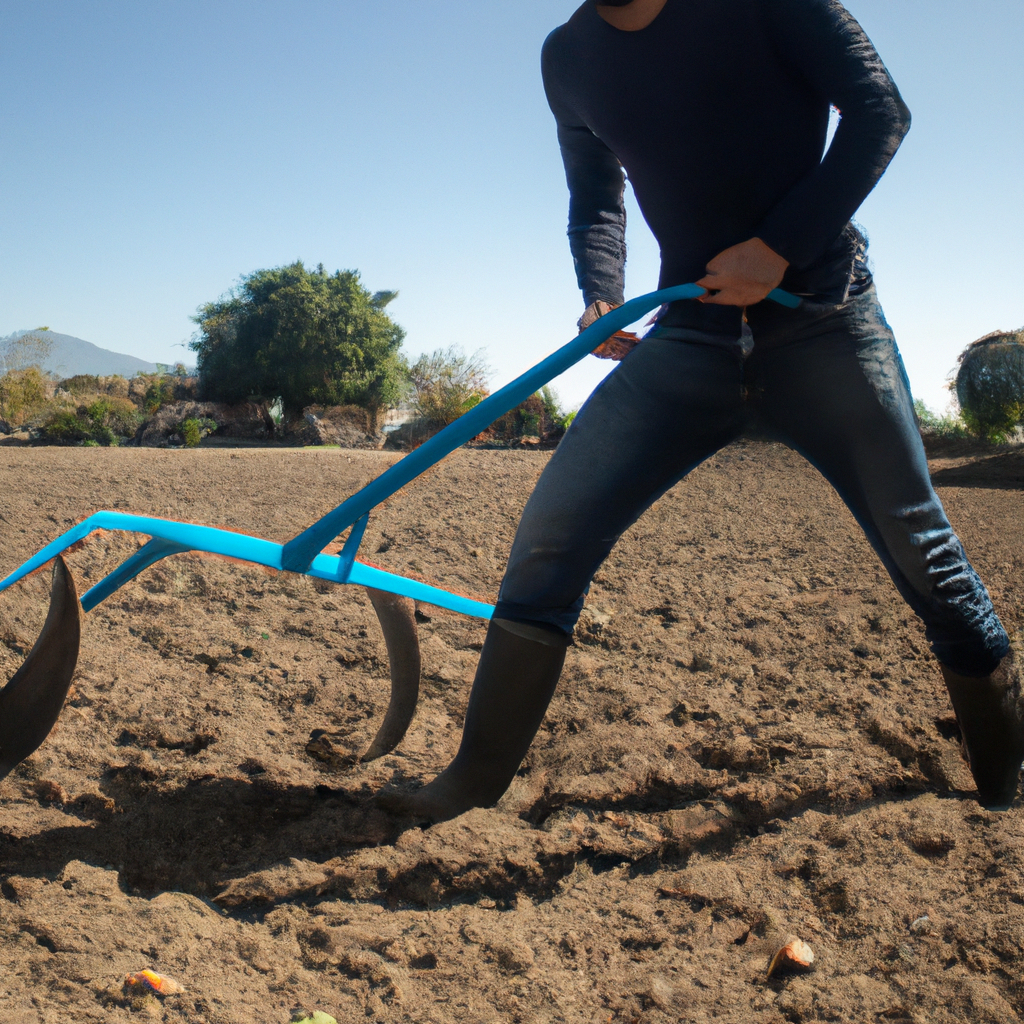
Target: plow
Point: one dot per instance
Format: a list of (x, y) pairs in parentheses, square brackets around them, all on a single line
[(31, 702)]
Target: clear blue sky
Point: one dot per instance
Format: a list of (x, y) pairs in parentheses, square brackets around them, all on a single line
[(151, 153)]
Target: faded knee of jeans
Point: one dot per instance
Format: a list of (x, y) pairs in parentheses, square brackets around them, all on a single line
[(883, 369)]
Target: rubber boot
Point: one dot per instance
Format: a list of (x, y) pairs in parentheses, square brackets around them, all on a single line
[(990, 713), (515, 679)]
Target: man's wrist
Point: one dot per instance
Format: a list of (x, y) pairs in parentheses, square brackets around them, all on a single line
[(775, 246), (608, 300)]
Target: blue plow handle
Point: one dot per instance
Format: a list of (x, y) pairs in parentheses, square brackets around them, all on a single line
[(302, 554)]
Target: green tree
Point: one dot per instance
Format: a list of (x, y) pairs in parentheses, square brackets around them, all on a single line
[(306, 337), (990, 384)]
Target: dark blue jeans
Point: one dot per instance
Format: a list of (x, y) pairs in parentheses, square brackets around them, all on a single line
[(826, 380)]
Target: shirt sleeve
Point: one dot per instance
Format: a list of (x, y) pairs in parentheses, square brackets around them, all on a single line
[(826, 46), (597, 211)]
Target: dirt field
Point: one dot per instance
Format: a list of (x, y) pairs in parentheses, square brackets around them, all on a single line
[(750, 741)]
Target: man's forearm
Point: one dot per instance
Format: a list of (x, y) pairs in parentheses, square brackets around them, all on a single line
[(599, 256), (597, 215)]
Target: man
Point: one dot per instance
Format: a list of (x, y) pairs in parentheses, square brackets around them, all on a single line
[(719, 110)]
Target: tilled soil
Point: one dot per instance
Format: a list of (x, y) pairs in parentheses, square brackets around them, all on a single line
[(750, 742)]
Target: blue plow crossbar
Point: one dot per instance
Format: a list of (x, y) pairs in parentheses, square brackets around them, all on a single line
[(303, 553)]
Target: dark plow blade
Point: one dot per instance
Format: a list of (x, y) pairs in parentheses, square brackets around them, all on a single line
[(398, 622), (31, 702)]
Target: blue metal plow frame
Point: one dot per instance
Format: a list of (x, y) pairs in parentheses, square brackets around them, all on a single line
[(303, 553)]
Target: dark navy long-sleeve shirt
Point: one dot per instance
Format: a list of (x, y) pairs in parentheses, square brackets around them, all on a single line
[(719, 111)]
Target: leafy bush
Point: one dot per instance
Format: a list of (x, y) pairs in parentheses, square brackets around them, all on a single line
[(160, 392), (525, 420), (190, 431), (950, 426), (23, 395), (193, 430), (124, 417), (115, 385), (118, 414), (557, 417), (68, 427), (539, 416), (990, 385), (446, 384), (82, 384), (103, 422), (88, 385)]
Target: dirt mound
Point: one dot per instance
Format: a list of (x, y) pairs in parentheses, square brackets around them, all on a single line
[(347, 426), (750, 742)]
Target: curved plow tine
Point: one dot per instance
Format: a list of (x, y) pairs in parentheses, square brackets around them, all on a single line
[(31, 702), (397, 619)]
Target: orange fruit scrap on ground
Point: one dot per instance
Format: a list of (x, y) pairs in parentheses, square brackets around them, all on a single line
[(154, 982), (795, 953)]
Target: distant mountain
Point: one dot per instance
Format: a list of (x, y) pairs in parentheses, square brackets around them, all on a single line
[(70, 356)]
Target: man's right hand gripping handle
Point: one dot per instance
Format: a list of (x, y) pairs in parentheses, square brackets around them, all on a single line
[(619, 345)]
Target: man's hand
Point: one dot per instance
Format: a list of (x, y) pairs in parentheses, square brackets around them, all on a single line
[(743, 274), (619, 345)]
